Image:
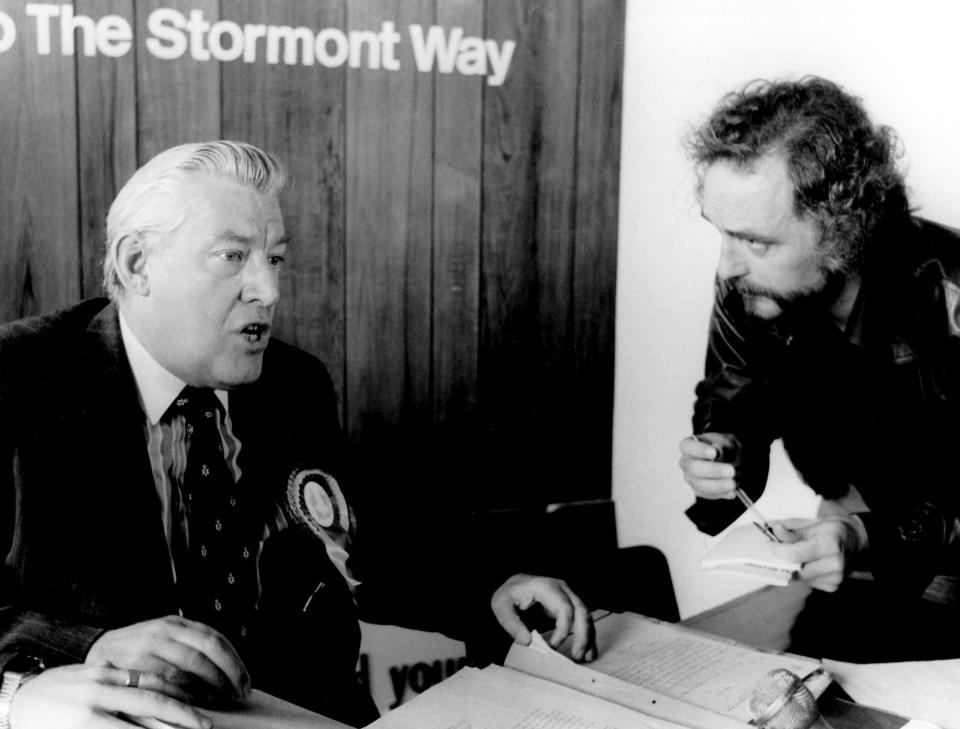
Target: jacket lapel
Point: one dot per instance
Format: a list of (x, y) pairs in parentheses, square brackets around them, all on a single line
[(128, 489)]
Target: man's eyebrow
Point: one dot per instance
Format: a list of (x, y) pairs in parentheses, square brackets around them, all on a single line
[(232, 236), (742, 234)]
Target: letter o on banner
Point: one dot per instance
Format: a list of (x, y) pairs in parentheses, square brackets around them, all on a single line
[(8, 32), (215, 40), (339, 39), (419, 678)]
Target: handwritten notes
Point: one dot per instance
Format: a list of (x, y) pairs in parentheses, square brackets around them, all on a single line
[(500, 698), (698, 668), (669, 670)]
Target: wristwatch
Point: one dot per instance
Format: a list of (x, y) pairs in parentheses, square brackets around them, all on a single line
[(17, 671)]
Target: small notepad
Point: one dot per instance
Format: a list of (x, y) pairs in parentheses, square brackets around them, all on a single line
[(745, 550)]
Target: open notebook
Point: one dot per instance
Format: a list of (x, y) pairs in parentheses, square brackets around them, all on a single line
[(745, 550), (650, 674)]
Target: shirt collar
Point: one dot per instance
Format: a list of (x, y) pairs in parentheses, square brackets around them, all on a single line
[(157, 386)]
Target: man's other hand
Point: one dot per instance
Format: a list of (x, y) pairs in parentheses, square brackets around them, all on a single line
[(709, 477), (558, 600), (825, 549), (92, 697), (193, 659)]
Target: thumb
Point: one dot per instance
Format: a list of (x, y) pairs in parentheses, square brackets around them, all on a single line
[(785, 532), (784, 547), (800, 550)]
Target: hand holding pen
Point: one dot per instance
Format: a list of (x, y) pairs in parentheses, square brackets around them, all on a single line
[(710, 463), (759, 521)]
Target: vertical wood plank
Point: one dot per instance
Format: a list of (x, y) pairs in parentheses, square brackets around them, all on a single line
[(297, 112), (456, 242), (458, 148), (178, 100), (528, 191), (595, 267), (389, 200), (39, 238), (107, 138)]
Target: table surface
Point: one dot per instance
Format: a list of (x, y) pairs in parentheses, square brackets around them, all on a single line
[(760, 619), (763, 619)]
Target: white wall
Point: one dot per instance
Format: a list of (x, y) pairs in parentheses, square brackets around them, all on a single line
[(902, 58)]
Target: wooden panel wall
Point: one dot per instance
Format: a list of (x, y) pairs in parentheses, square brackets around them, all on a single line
[(40, 256), (455, 242)]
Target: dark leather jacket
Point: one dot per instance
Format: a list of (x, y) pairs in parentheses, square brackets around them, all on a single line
[(875, 406)]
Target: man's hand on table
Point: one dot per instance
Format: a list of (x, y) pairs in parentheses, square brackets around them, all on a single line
[(91, 697), (558, 600), (195, 661)]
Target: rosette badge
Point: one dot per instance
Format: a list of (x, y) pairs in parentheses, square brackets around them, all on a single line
[(316, 502)]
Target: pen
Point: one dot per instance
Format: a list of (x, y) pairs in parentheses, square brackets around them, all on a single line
[(762, 524), (762, 530), (758, 519)]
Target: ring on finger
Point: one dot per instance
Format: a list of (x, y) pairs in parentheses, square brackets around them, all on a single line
[(133, 678)]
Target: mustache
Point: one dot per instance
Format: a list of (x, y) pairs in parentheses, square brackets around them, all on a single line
[(748, 289), (828, 288)]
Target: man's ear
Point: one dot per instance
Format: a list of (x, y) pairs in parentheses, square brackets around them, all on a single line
[(130, 264)]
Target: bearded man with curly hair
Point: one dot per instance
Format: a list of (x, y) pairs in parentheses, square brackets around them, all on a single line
[(836, 328)]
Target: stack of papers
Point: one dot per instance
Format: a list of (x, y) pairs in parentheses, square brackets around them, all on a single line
[(650, 674)]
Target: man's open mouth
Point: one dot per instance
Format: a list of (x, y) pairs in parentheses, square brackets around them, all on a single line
[(255, 332)]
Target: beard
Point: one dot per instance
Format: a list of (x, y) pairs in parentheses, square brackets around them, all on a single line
[(814, 300)]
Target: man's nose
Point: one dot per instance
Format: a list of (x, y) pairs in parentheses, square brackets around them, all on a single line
[(732, 263), (261, 281)]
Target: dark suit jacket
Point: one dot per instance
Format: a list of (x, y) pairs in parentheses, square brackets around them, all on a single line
[(80, 525)]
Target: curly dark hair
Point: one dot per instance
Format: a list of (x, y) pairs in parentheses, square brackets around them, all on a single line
[(844, 169)]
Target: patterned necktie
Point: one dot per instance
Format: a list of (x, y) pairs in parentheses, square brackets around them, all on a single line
[(216, 574)]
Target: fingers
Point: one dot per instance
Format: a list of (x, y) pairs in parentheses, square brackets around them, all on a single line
[(709, 478), (504, 605), (699, 449), (571, 616), (562, 611), (206, 653), (562, 604), (801, 551), (584, 637), (67, 697), (191, 656), (824, 574), (151, 681), (818, 548), (812, 542), (784, 533), (146, 700)]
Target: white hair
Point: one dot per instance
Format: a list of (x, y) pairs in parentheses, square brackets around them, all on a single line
[(147, 202)]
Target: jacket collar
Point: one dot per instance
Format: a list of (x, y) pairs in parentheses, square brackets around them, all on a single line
[(105, 359), (900, 307), (157, 387)]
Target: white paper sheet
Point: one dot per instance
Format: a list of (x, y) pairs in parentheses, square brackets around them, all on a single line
[(500, 698), (537, 661), (689, 665), (744, 550), (262, 711), (924, 690)]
